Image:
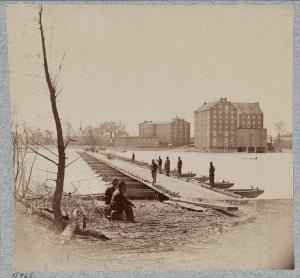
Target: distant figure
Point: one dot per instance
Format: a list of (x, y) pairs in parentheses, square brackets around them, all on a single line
[(120, 204), (159, 161), (211, 174), (133, 158), (153, 171), (167, 166), (108, 195), (179, 166)]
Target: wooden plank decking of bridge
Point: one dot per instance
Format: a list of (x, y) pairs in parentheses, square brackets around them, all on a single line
[(186, 189)]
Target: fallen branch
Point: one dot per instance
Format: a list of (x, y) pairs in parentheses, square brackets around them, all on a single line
[(73, 226)]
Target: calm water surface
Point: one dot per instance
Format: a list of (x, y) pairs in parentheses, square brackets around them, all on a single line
[(272, 172)]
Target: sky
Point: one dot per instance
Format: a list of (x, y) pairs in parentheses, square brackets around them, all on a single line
[(132, 63)]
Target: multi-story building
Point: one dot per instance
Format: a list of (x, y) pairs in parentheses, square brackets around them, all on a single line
[(251, 136), (226, 125), (175, 132)]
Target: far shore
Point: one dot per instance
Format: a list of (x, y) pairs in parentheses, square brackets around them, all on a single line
[(166, 148)]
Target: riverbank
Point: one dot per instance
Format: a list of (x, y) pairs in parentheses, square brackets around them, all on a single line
[(164, 238)]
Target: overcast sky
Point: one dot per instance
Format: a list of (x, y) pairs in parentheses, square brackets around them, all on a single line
[(150, 62)]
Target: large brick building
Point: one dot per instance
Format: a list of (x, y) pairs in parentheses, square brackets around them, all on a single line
[(175, 132), (226, 125)]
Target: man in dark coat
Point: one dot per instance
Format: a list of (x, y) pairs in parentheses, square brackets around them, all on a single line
[(120, 204), (153, 171), (133, 158), (108, 195), (167, 166), (211, 174), (179, 166), (159, 164)]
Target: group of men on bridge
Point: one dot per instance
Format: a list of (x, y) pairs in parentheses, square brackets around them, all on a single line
[(157, 165), (116, 201)]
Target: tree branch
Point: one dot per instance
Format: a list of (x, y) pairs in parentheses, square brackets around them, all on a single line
[(68, 141), (46, 148), (38, 153), (73, 161)]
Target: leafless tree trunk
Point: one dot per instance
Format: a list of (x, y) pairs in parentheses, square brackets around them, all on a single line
[(58, 219)]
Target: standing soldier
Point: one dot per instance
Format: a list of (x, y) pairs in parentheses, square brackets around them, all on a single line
[(159, 164), (179, 166), (153, 171), (133, 158), (211, 174), (167, 166)]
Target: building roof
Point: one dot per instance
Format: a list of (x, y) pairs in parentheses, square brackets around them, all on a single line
[(247, 108), (207, 106)]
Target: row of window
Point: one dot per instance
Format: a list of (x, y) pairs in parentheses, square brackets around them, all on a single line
[(253, 116), (225, 121), (225, 126), (215, 111), (226, 116)]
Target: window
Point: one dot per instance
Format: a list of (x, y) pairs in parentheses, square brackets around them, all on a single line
[(214, 141), (248, 116), (214, 132)]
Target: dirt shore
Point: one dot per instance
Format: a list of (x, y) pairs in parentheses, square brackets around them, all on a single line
[(164, 238)]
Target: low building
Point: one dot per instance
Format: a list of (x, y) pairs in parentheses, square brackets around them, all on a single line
[(137, 142), (225, 125), (175, 132)]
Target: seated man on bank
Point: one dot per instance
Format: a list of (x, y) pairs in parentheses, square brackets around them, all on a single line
[(108, 195), (120, 204)]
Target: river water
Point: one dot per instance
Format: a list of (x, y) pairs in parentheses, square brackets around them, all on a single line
[(272, 172)]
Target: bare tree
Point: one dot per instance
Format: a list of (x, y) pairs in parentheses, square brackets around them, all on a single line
[(91, 135), (20, 152), (113, 129), (52, 82)]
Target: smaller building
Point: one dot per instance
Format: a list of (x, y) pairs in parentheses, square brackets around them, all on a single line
[(136, 141), (175, 132)]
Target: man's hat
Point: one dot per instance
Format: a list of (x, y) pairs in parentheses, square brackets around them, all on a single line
[(122, 184)]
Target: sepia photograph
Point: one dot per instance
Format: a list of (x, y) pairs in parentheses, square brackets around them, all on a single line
[(151, 137)]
